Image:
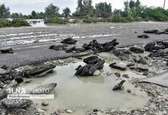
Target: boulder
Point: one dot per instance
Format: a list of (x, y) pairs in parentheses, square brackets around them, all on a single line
[(151, 31), (119, 86), (101, 47), (44, 89), (74, 49), (58, 47), (15, 103), (122, 53), (37, 70), (6, 50), (91, 60), (69, 41), (144, 36), (119, 66), (87, 70), (136, 49)]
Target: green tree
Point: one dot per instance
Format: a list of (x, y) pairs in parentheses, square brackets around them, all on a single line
[(66, 12), (103, 10), (34, 15), (51, 11), (4, 11)]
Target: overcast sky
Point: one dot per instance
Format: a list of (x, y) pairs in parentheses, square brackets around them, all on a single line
[(26, 6)]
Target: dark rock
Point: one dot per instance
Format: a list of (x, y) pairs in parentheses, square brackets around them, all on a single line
[(136, 49), (144, 36), (91, 60), (6, 50), (44, 104), (58, 47), (125, 75), (69, 41), (74, 49), (151, 31), (117, 74), (16, 103), (19, 80), (87, 70), (44, 89), (140, 59), (122, 53), (3, 94), (37, 70), (119, 66), (101, 47), (119, 86)]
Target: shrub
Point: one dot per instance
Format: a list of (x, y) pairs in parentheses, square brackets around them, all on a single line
[(19, 22)]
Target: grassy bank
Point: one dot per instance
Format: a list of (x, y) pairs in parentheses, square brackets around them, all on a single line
[(13, 23)]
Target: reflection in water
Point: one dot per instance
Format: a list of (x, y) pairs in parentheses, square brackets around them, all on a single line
[(89, 92)]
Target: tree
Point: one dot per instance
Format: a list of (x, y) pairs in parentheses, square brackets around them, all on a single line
[(51, 11), (4, 11), (132, 4), (34, 15), (84, 8), (103, 10), (66, 12)]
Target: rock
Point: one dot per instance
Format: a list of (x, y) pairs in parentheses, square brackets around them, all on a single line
[(44, 104), (119, 86), (68, 111), (122, 53), (125, 75), (144, 36), (55, 113), (117, 74), (3, 94), (37, 70), (69, 41), (74, 49), (140, 59), (96, 73), (128, 90), (58, 47), (6, 50), (87, 70), (93, 63), (19, 80), (91, 60), (101, 47), (136, 49), (44, 89), (151, 31), (16, 103), (119, 66)]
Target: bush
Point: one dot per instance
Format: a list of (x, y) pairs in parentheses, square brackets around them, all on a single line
[(89, 20), (56, 20), (19, 22), (13, 23)]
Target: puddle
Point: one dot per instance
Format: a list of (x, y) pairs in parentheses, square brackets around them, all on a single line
[(90, 92)]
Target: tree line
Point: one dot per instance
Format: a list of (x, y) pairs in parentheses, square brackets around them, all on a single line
[(133, 11)]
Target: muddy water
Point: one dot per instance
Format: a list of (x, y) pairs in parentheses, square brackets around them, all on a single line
[(82, 94)]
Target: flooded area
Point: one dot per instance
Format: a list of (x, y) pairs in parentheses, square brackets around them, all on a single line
[(85, 93)]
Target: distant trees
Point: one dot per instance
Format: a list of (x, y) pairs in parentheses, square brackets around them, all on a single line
[(4, 11), (103, 10), (51, 11), (66, 12)]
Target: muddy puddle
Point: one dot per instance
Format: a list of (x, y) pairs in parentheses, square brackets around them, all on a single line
[(86, 93)]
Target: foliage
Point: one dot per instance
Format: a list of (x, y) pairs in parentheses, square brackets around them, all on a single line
[(56, 20), (51, 11), (103, 10), (66, 12), (13, 23), (4, 11)]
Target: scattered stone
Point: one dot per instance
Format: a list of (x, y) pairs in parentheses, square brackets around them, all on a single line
[(119, 86), (37, 70), (58, 47), (129, 91), (16, 103), (68, 111), (136, 49), (122, 53), (91, 60), (55, 113), (6, 50), (44, 89), (87, 70), (69, 41), (120, 66), (151, 31), (125, 75), (19, 80), (144, 36), (101, 47), (44, 104), (117, 74)]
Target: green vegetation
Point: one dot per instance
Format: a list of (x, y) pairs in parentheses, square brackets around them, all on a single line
[(13, 23), (87, 13)]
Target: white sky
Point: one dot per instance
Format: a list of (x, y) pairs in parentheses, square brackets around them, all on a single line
[(26, 6)]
